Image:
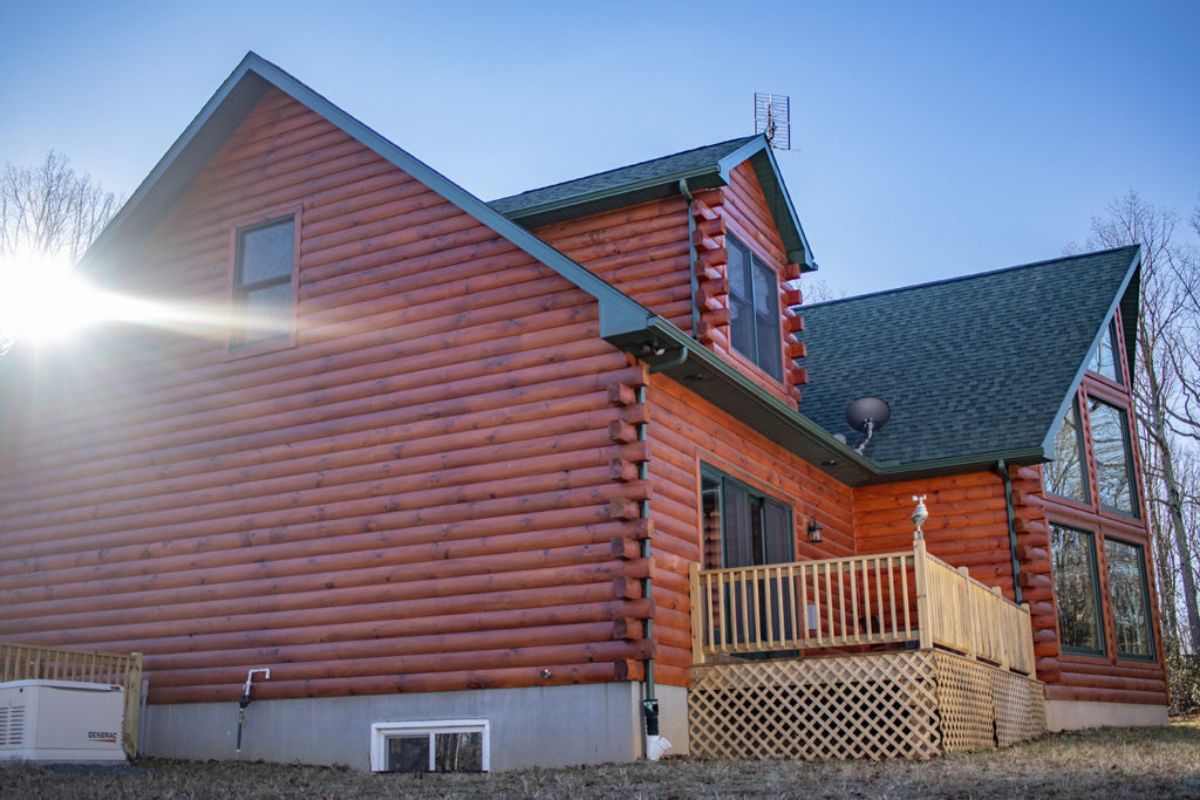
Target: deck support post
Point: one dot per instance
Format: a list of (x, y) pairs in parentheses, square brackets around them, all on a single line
[(924, 617)]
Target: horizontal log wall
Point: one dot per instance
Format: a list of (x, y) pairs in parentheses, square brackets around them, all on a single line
[(743, 212), (642, 250), (1102, 678), (685, 431), (968, 527), (419, 495)]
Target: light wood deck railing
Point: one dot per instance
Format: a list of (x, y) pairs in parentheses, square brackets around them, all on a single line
[(20, 662), (862, 601)]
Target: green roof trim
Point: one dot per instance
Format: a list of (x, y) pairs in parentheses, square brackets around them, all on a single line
[(704, 167), (975, 368), (229, 106)]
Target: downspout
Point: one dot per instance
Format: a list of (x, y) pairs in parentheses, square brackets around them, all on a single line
[(1002, 468), (687, 194), (656, 745)]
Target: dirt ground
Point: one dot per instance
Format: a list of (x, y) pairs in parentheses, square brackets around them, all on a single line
[(1156, 763)]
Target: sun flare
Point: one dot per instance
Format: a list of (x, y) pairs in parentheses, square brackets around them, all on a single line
[(44, 300)]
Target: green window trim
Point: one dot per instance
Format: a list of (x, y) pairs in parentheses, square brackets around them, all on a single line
[(1147, 623), (1057, 468), (754, 332), (1097, 599), (721, 479), (1098, 411), (1105, 360)]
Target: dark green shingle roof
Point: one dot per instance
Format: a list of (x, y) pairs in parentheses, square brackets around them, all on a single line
[(652, 171), (978, 366)]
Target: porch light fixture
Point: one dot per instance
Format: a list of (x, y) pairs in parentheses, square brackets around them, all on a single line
[(814, 530)]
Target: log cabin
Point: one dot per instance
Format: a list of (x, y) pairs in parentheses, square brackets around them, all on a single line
[(551, 479)]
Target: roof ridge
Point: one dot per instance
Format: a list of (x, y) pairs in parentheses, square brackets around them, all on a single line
[(621, 167), (971, 276)]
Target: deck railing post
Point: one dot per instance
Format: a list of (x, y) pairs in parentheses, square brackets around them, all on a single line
[(697, 614), (921, 576), (1028, 659), (970, 638)]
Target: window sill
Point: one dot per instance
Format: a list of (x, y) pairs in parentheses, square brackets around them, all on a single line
[(260, 348)]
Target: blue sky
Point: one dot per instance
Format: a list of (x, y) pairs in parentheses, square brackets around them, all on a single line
[(931, 139)]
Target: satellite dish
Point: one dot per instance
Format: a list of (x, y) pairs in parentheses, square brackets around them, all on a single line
[(867, 415), (864, 410)]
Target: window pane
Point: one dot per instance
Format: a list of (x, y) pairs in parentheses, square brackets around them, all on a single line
[(1075, 588), (739, 536), (408, 753), (766, 314), (267, 313), (777, 533), (266, 252), (1111, 447), (1104, 360), (1127, 588), (1065, 476), (458, 752), (741, 326)]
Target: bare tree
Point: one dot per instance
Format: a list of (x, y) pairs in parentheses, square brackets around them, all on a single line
[(50, 209), (1165, 337)]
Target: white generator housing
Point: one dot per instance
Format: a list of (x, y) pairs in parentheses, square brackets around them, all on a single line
[(61, 721)]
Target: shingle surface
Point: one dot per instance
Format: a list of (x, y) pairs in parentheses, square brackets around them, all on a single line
[(972, 365), (630, 175)]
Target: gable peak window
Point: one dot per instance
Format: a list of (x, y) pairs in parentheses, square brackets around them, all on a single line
[(1115, 486), (1066, 475), (264, 263), (1105, 358), (754, 308)]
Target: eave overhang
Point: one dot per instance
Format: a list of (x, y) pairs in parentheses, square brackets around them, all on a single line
[(757, 151), (671, 352)]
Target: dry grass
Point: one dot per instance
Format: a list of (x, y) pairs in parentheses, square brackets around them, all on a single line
[(1158, 763)]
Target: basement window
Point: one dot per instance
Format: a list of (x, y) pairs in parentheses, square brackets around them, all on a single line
[(460, 745), (263, 284), (754, 309)]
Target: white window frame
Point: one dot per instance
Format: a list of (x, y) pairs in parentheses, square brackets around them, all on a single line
[(382, 731)]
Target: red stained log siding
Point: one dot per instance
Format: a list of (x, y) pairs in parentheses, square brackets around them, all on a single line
[(417, 495), (684, 432)]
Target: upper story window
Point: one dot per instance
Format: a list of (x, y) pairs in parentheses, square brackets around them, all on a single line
[(1077, 590), (1115, 487), (754, 308), (1066, 475), (262, 282), (1130, 594), (1105, 360)]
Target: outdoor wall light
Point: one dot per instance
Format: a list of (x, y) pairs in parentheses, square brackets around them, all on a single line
[(814, 530)]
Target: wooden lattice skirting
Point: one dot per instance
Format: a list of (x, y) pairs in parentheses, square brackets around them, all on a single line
[(911, 704)]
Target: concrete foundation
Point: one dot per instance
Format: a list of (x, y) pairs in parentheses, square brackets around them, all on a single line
[(1066, 715), (548, 726)]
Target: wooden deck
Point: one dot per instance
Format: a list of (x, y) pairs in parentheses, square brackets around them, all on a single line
[(891, 655)]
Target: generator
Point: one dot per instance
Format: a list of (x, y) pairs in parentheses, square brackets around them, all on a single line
[(61, 721)]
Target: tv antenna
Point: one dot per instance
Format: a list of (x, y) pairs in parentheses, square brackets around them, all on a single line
[(773, 119)]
